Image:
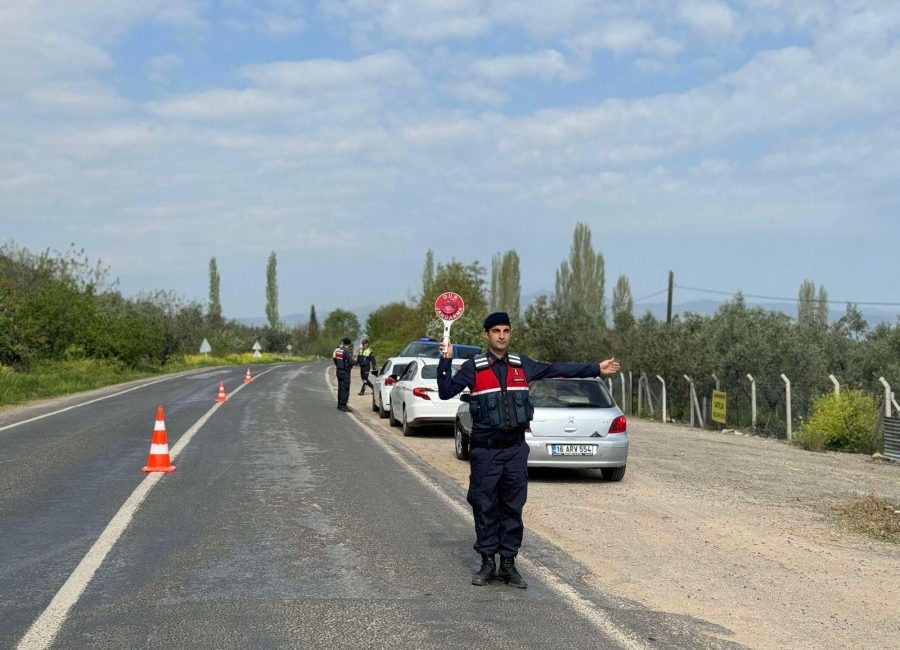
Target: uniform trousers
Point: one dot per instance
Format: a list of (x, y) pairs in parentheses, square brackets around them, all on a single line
[(343, 379), (498, 488)]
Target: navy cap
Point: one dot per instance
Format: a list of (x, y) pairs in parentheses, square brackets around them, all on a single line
[(497, 318), (346, 341)]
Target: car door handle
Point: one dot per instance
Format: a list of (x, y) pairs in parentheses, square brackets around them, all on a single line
[(570, 429)]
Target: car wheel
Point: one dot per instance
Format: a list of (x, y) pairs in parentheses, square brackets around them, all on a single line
[(407, 429), (462, 442), (394, 421), (613, 473), (382, 412)]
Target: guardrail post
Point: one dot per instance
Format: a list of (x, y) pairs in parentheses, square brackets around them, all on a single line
[(837, 386), (787, 406), (887, 396), (664, 405), (752, 400)]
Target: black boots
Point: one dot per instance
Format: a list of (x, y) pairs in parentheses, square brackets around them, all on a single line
[(487, 572), (362, 391), (509, 574)]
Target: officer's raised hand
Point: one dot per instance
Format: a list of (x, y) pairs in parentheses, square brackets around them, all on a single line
[(609, 367), (446, 348)]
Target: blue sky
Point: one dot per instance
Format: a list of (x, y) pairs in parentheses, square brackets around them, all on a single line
[(745, 145)]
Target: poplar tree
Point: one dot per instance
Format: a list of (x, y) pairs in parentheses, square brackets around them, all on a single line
[(272, 291), (312, 327), (215, 305), (580, 285), (622, 305), (812, 307), (508, 285)]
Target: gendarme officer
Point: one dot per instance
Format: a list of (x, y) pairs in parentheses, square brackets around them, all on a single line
[(501, 411), (343, 362)]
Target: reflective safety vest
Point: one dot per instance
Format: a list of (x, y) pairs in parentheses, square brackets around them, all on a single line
[(496, 406)]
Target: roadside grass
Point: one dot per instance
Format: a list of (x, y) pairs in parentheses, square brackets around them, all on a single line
[(873, 516), (54, 378)]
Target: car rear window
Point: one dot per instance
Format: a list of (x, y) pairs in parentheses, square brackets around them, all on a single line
[(429, 350), (572, 393), (430, 371)]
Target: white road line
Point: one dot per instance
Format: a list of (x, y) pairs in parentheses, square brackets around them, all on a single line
[(44, 630), (99, 399), (580, 604)]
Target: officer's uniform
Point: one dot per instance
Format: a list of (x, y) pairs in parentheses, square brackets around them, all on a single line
[(501, 410), (365, 360), (343, 362)]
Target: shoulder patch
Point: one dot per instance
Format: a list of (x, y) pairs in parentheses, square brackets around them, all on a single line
[(481, 361), (515, 360)]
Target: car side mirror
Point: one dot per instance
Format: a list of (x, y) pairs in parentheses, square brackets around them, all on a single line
[(465, 397)]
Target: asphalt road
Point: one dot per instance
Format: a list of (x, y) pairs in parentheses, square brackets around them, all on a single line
[(286, 524)]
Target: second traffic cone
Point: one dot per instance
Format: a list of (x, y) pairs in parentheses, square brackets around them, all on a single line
[(222, 397), (247, 377), (158, 460)]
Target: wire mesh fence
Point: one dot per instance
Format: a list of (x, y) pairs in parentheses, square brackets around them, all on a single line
[(645, 394)]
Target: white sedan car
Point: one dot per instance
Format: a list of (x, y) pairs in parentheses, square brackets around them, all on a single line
[(414, 397), (384, 381)]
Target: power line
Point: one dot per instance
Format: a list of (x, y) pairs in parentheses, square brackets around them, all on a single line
[(781, 298), (650, 296)]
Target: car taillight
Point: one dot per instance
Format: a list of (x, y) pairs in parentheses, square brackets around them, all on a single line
[(528, 433), (421, 391), (389, 381), (618, 425)]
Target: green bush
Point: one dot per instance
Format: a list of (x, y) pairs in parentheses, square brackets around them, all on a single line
[(841, 422)]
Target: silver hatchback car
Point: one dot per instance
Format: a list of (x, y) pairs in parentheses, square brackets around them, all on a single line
[(576, 424)]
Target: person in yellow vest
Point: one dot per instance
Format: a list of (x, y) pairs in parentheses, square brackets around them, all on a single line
[(366, 362)]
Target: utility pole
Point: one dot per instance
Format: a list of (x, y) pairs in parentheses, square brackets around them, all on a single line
[(669, 303)]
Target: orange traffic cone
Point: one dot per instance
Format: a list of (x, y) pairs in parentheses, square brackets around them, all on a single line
[(222, 396), (247, 377), (158, 460)]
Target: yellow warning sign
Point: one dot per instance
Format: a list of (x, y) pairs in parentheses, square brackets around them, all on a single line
[(719, 406)]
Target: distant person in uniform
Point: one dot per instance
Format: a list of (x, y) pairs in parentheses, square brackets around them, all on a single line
[(343, 362), (366, 362), (501, 410)]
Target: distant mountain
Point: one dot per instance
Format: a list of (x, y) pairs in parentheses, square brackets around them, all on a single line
[(293, 320)]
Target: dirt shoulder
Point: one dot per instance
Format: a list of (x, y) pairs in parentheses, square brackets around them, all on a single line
[(735, 530)]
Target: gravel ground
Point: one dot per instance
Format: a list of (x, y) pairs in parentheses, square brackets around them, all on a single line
[(733, 529)]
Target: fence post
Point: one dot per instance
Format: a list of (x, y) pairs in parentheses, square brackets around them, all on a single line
[(640, 394), (894, 402), (690, 397), (837, 386), (664, 406), (752, 400), (648, 394), (716, 379), (787, 406), (622, 377), (609, 381), (630, 393), (887, 396)]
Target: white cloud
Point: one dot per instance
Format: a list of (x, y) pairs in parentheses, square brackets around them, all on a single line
[(160, 68), (546, 64), (474, 91), (707, 16), (386, 68), (425, 21), (624, 36)]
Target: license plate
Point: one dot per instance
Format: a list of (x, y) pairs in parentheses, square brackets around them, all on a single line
[(572, 450)]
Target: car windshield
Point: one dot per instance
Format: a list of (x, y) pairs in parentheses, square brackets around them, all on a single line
[(556, 393), (429, 371)]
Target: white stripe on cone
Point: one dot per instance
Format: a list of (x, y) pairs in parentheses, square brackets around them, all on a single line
[(158, 450), (159, 426)]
